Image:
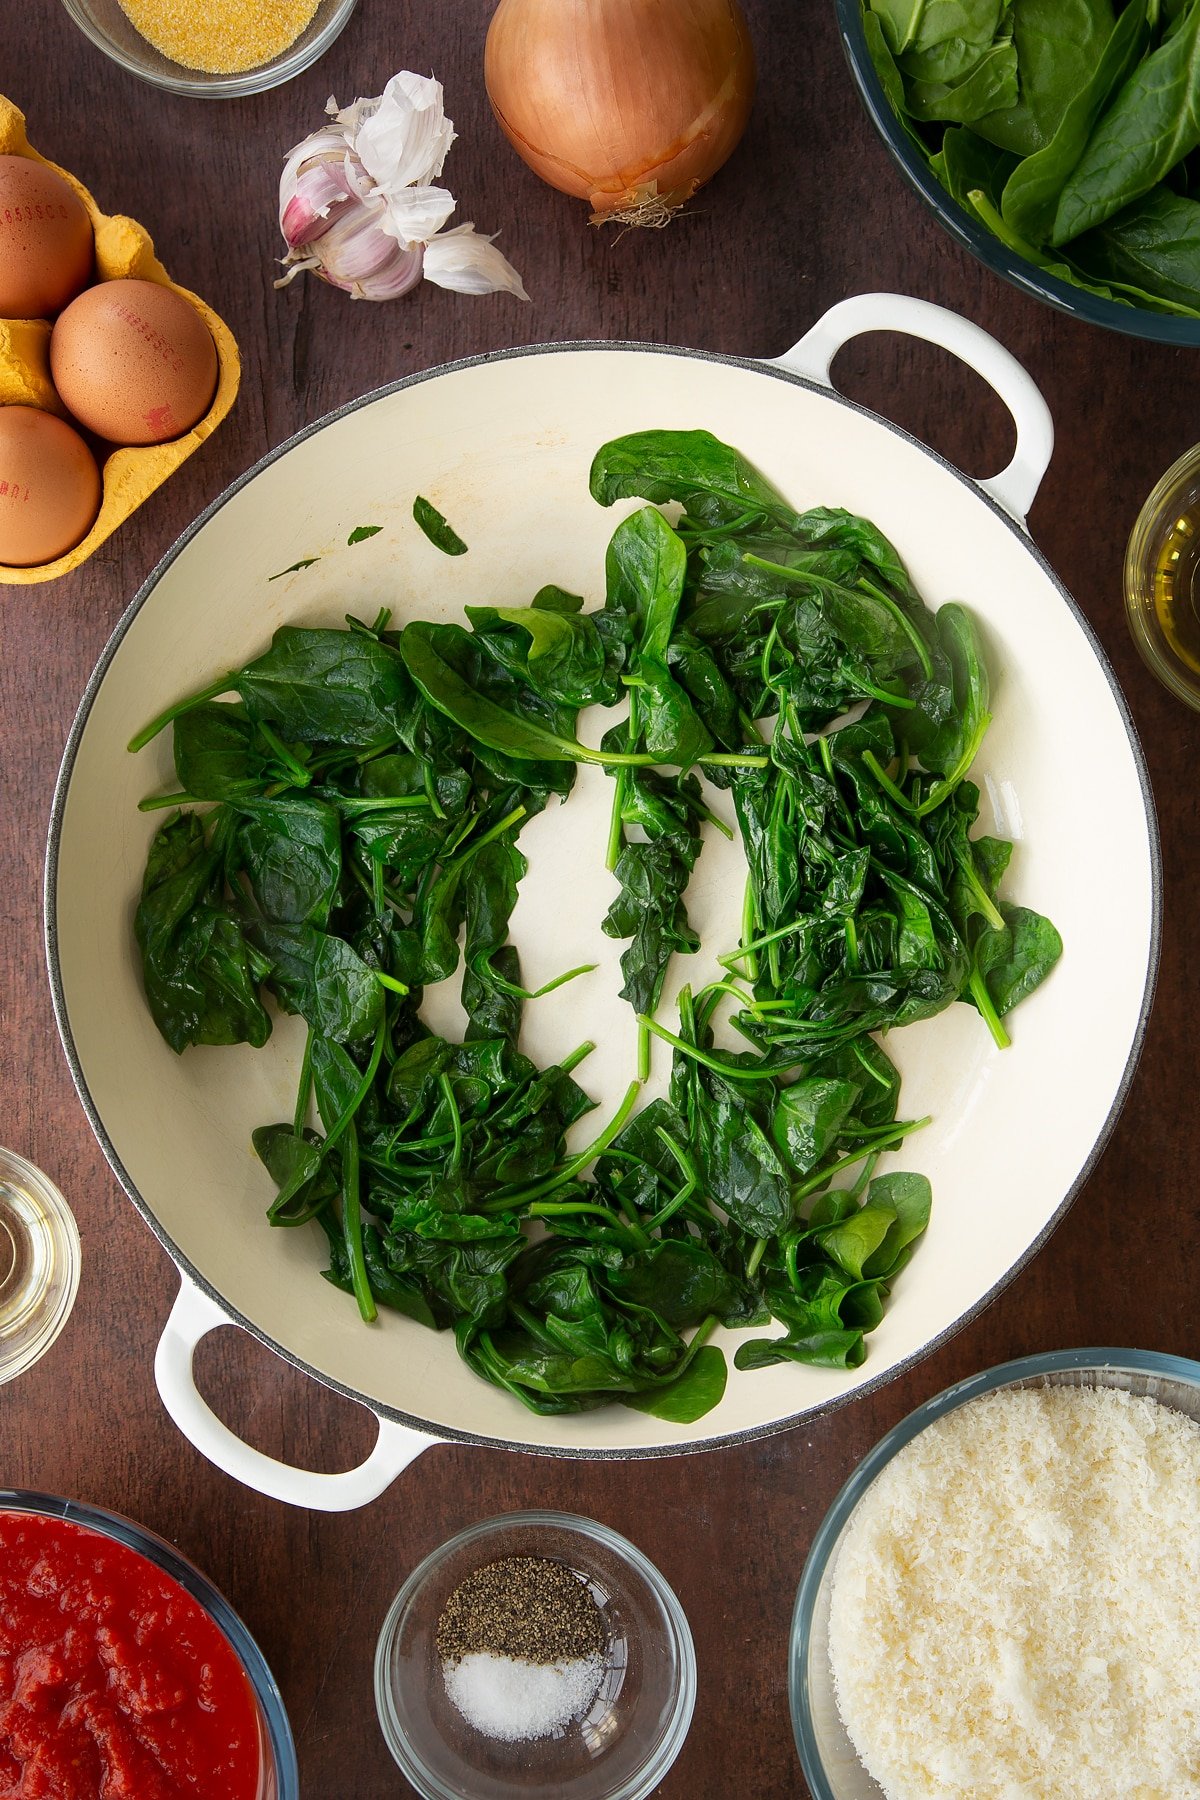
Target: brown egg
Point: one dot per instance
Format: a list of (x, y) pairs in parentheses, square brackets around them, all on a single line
[(134, 362), (49, 487), (46, 240)]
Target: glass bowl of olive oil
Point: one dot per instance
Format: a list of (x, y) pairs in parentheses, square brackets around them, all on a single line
[(39, 1264), (1162, 579)]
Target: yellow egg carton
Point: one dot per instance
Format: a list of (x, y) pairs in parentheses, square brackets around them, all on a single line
[(123, 248)]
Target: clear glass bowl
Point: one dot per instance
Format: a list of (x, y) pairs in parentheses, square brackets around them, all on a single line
[(1133, 321), (108, 27), (1170, 517), (828, 1758), (39, 1264), (279, 1777), (635, 1728)]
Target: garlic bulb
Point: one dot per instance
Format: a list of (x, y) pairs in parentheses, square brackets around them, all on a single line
[(357, 204)]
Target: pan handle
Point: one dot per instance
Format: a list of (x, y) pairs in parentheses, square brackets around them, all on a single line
[(1014, 488), (193, 1316)]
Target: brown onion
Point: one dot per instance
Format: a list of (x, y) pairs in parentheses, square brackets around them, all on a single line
[(630, 104)]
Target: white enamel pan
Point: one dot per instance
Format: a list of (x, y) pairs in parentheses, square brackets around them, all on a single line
[(502, 446)]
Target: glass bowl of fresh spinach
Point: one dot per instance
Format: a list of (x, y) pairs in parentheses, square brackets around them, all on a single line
[(1057, 140)]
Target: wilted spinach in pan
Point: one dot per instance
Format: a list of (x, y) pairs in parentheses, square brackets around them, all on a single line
[(367, 789)]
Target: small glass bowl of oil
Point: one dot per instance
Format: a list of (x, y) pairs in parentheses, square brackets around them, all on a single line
[(39, 1264), (1162, 579)]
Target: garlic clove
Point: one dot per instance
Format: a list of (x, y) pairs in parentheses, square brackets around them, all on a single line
[(310, 199), (468, 262), (405, 140), (416, 213)]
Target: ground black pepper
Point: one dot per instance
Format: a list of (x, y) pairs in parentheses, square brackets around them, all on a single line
[(529, 1607)]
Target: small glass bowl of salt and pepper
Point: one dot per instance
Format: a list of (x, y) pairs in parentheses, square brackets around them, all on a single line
[(535, 1654), (39, 1264)]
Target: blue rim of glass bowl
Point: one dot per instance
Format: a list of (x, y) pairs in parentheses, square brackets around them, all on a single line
[(165, 1557), (1023, 1369), (1132, 321), (200, 83), (641, 1782)]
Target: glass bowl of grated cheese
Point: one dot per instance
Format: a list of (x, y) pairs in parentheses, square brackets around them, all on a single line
[(217, 49), (1005, 1596), (538, 1653)]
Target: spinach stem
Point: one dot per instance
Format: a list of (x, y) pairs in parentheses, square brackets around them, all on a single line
[(905, 623), (886, 783), (886, 1139), (553, 1209), (731, 1071), (301, 777), (352, 1227), (749, 927), (509, 820), (351, 803), (483, 968), (755, 1257), (946, 787), (304, 1090), (568, 1171), (156, 802), (576, 1057), (747, 950), (616, 829), (447, 1088), (222, 685), (978, 990), (643, 1051), (343, 1121)]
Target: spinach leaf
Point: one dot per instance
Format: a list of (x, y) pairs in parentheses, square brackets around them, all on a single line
[(306, 562), (988, 86), (690, 1395), (320, 977), (560, 653), (1152, 247), (217, 752), (1058, 44), (713, 481), (1152, 124), (646, 565), (427, 651), (1031, 194), (440, 534), (290, 850), (1017, 958), (338, 687), (199, 972)]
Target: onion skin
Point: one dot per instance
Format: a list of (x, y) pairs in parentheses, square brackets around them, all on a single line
[(629, 104)]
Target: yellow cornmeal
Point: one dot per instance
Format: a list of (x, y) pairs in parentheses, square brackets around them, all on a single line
[(220, 37)]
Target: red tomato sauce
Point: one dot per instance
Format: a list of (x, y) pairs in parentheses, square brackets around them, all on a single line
[(114, 1683)]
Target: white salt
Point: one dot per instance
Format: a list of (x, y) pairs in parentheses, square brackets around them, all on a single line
[(508, 1698)]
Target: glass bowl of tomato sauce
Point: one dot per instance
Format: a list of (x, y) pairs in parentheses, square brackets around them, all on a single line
[(124, 1674)]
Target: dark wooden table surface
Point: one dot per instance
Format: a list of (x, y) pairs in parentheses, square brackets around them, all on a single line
[(809, 210)]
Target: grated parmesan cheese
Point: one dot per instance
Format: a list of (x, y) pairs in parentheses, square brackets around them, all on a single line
[(1015, 1607)]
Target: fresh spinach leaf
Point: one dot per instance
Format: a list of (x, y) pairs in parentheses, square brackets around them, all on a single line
[(1152, 124)]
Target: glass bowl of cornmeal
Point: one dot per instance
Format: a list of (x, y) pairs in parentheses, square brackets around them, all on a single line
[(213, 48)]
